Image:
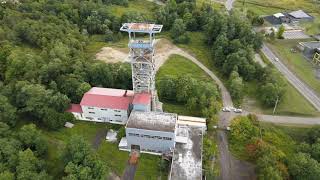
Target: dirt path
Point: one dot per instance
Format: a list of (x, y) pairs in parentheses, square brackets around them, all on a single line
[(100, 136)]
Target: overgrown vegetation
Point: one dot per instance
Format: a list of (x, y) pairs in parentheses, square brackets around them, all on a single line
[(277, 155)]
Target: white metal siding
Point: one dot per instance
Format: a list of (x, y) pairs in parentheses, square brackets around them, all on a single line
[(117, 116), (150, 143)]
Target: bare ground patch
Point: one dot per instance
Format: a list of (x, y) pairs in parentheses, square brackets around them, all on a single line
[(112, 55)]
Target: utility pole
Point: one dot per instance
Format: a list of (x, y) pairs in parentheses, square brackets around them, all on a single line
[(275, 106)]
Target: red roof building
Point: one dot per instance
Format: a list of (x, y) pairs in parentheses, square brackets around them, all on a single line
[(107, 98), (142, 98), (75, 108)]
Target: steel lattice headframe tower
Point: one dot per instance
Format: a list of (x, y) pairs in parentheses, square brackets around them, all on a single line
[(142, 48)]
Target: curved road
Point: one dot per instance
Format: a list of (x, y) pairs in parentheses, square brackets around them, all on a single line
[(304, 89)]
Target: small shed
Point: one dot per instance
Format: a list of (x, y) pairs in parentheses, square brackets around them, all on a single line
[(111, 136), (68, 125)]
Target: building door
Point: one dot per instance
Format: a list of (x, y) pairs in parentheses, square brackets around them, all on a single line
[(135, 147)]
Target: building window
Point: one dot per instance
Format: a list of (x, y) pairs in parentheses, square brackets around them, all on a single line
[(133, 134), (90, 108), (104, 109), (167, 138), (91, 112), (117, 111), (117, 115), (89, 118), (118, 121)]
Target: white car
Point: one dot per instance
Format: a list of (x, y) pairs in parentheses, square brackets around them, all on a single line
[(276, 59), (237, 110), (226, 109)]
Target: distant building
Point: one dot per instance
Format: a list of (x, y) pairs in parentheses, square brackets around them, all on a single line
[(291, 17), (300, 15), (309, 48), (151, 131), (108, 105)]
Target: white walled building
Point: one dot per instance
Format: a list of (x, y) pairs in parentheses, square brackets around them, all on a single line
[(104, 105), (151, 131)]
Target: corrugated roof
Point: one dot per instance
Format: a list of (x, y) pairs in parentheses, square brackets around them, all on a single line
[(75, 108), (142, 98), (107, 98), (299, 14)]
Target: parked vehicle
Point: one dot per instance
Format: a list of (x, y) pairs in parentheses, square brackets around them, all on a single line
[(276, 59), (237, 110), (226, 109)]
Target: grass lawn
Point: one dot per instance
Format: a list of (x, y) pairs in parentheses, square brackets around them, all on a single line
[(142, 6), (177, 65), (293, 103), (198, 48), (107, 152), (296, 62)]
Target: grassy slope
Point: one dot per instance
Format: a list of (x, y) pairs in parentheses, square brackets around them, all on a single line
[(177, 65)]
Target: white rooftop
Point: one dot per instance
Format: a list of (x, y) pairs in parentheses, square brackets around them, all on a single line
[(278, 15), (157, 121)]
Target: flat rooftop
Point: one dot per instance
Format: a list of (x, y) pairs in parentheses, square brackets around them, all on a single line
[(187, 157), (156, 121), (141, 27)]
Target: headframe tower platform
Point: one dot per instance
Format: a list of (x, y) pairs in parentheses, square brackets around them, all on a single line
[(141, 53)]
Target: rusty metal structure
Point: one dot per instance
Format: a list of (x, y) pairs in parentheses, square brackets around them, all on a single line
[(141, 53)]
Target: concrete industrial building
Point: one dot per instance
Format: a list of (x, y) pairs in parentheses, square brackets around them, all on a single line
[(151, 132)]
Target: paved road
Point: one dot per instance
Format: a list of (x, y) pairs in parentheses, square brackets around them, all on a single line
[(289, 120), (229, 4), (304, 89)]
